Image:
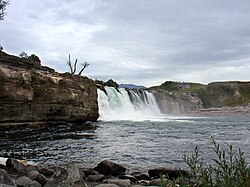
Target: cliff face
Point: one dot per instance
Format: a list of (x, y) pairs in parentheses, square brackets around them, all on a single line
[(33, 94), (177, 102)]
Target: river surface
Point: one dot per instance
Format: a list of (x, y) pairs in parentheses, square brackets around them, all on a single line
[(136, 144)]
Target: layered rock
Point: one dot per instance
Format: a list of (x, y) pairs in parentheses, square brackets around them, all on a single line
[(32, 94), (177, 102)]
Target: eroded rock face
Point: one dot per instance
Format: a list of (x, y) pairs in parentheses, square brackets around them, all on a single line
[(33, 94), (177, 102)]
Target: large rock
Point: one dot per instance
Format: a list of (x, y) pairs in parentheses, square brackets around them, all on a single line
[(172, 173), (34, 95), (15, 164), (5, 179), (27, 182), (65, 177), (107, 167)]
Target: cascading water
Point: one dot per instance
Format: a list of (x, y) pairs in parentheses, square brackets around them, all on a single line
[(121, 104)]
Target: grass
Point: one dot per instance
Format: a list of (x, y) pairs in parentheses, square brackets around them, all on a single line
[(229, 168)]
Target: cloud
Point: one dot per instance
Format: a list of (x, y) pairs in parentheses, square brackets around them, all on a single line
[(143, 42)]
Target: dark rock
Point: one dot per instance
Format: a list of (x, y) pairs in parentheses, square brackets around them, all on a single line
[(34, 184), (31, 168), (130, 177), (95, 178), (46, 172), (90, 172), (16, 164), (23, 181), (172, 173), (107, 185), (41, 179), (5, 178), (119, 182), (65, 177), (159, 182), (107, 167), (32, 174), (140, 176)]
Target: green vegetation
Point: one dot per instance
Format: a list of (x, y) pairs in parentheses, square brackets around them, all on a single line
[(3, 5), (110, 83), (32, 57), (229, 169)]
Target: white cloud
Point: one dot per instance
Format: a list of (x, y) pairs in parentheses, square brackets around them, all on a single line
[(144, 42)]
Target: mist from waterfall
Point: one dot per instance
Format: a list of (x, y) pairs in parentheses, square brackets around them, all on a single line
[(122, 104)]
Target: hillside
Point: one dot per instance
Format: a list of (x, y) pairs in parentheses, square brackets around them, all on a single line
[(215, 94)]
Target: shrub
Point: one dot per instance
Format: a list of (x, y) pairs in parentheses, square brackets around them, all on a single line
[(229, 169)]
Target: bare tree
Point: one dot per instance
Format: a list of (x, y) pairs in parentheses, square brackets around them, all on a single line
[(3, 4), (84, 65), (73, 67)]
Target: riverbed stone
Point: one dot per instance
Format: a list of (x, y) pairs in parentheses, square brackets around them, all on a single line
[(107, 185), (46, 171), (5, 178), (172, 173), (95, 178), (41, 179), (23, 181), (32, 174), (140, 176), (16, 164), (107, 167), (159, 182), (119, 182), (130, 177)]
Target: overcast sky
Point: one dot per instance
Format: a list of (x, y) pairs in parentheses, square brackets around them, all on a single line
[(144, 42)]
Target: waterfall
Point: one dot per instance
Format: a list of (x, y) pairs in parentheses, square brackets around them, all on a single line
[(121, 104)]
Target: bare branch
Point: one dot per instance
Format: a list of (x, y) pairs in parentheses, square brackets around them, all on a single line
[(74, 71), (84, 65), (70, 65)]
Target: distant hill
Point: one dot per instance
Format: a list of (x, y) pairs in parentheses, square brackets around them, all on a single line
[(215, 94), (131, 86)]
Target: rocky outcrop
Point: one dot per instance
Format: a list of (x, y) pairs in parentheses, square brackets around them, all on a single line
[(177, 102), (35, 95)]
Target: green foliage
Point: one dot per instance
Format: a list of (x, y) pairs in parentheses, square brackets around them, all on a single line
[(111, 83), (24, 55), (170, 86), (34, 58), (3, 5), (229, 168)]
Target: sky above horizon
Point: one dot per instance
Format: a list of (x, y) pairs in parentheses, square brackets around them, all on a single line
[(144, 42)]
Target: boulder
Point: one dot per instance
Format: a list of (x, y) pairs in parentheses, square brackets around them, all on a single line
[(107, 185), (159, 182), (5, 178), (130, 177), (95, 178), (23, 181), (172, 173), (15, 164), (32, 174), (41, 179), (107, 167), (46, 172), (140, 176), (119, 182), (64, 177)]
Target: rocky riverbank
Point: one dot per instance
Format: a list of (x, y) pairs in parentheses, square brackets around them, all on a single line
[(106, 174), (34, 95)]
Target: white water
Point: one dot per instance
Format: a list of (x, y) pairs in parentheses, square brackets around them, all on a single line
[(127, 105)]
